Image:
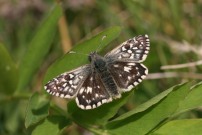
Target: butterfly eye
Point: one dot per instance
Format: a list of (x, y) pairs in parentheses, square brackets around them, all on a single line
[(89, 58)]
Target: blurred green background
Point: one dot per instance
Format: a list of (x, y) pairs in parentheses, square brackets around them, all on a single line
[(174, 28)]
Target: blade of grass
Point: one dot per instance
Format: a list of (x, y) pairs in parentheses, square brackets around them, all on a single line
[(38, 47), (8, 72)]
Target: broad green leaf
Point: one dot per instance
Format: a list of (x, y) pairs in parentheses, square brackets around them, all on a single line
[(52, 125), (143, 122), (98, 116), (192, 100), (8, 72), (38, 47), (70, 61), (147, 104), (181, 127), (37, 109)]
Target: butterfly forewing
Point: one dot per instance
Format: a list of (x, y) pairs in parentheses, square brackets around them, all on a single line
[(92, 93), (67, 84), (134, 49), (127, 74)]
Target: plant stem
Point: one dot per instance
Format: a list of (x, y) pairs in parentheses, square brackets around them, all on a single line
[(13, 98)]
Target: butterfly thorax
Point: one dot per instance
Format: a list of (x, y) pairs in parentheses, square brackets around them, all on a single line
[(99, 65), (97, 62)]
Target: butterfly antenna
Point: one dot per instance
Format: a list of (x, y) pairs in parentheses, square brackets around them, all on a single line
[(78, 53), (103, 37)]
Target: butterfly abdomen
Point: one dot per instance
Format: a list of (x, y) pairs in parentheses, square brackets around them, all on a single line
[(109, 83)]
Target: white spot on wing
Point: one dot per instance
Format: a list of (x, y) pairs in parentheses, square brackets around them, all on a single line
[(63, 80), (71, 76), (96, 95), (131, 64), (135, 83), (132, 56), (57, 94), (74, 86), (76, 80), (123, 48), (64, 85), (81, 90), (89, 90), (146, 52), (94, 106), (144, 57), (143, 76), (66, 88), (129, 51), (129, 88), (61, 95), (116, 65), (99, 103), (67, 96), (127, 69), (104, 101), (88, 107), (129, 77), (81, 77), (70, 82)]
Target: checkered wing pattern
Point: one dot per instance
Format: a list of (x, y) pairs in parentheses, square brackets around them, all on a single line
[(92, 93), (127, 75), (134, 49), (67, 84)]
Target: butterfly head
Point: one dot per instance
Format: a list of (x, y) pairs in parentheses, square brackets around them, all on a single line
[(97, 61)]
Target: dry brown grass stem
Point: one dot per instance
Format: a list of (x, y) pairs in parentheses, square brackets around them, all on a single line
[(174, 75), (185, 65)]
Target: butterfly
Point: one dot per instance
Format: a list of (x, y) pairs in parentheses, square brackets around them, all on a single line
[(105, 78)]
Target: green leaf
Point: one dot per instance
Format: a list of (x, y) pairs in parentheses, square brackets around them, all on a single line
[(52, 125), (143, 122), (38, 47), (98, 116), (37, 109), (70, 61), (181, 127), (192, 100), (146, 105), (8, 72)]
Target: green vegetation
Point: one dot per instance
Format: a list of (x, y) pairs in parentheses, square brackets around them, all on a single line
[(34, 41)]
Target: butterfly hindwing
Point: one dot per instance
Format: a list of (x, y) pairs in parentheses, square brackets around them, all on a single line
[(92, 93), (127, 74)]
